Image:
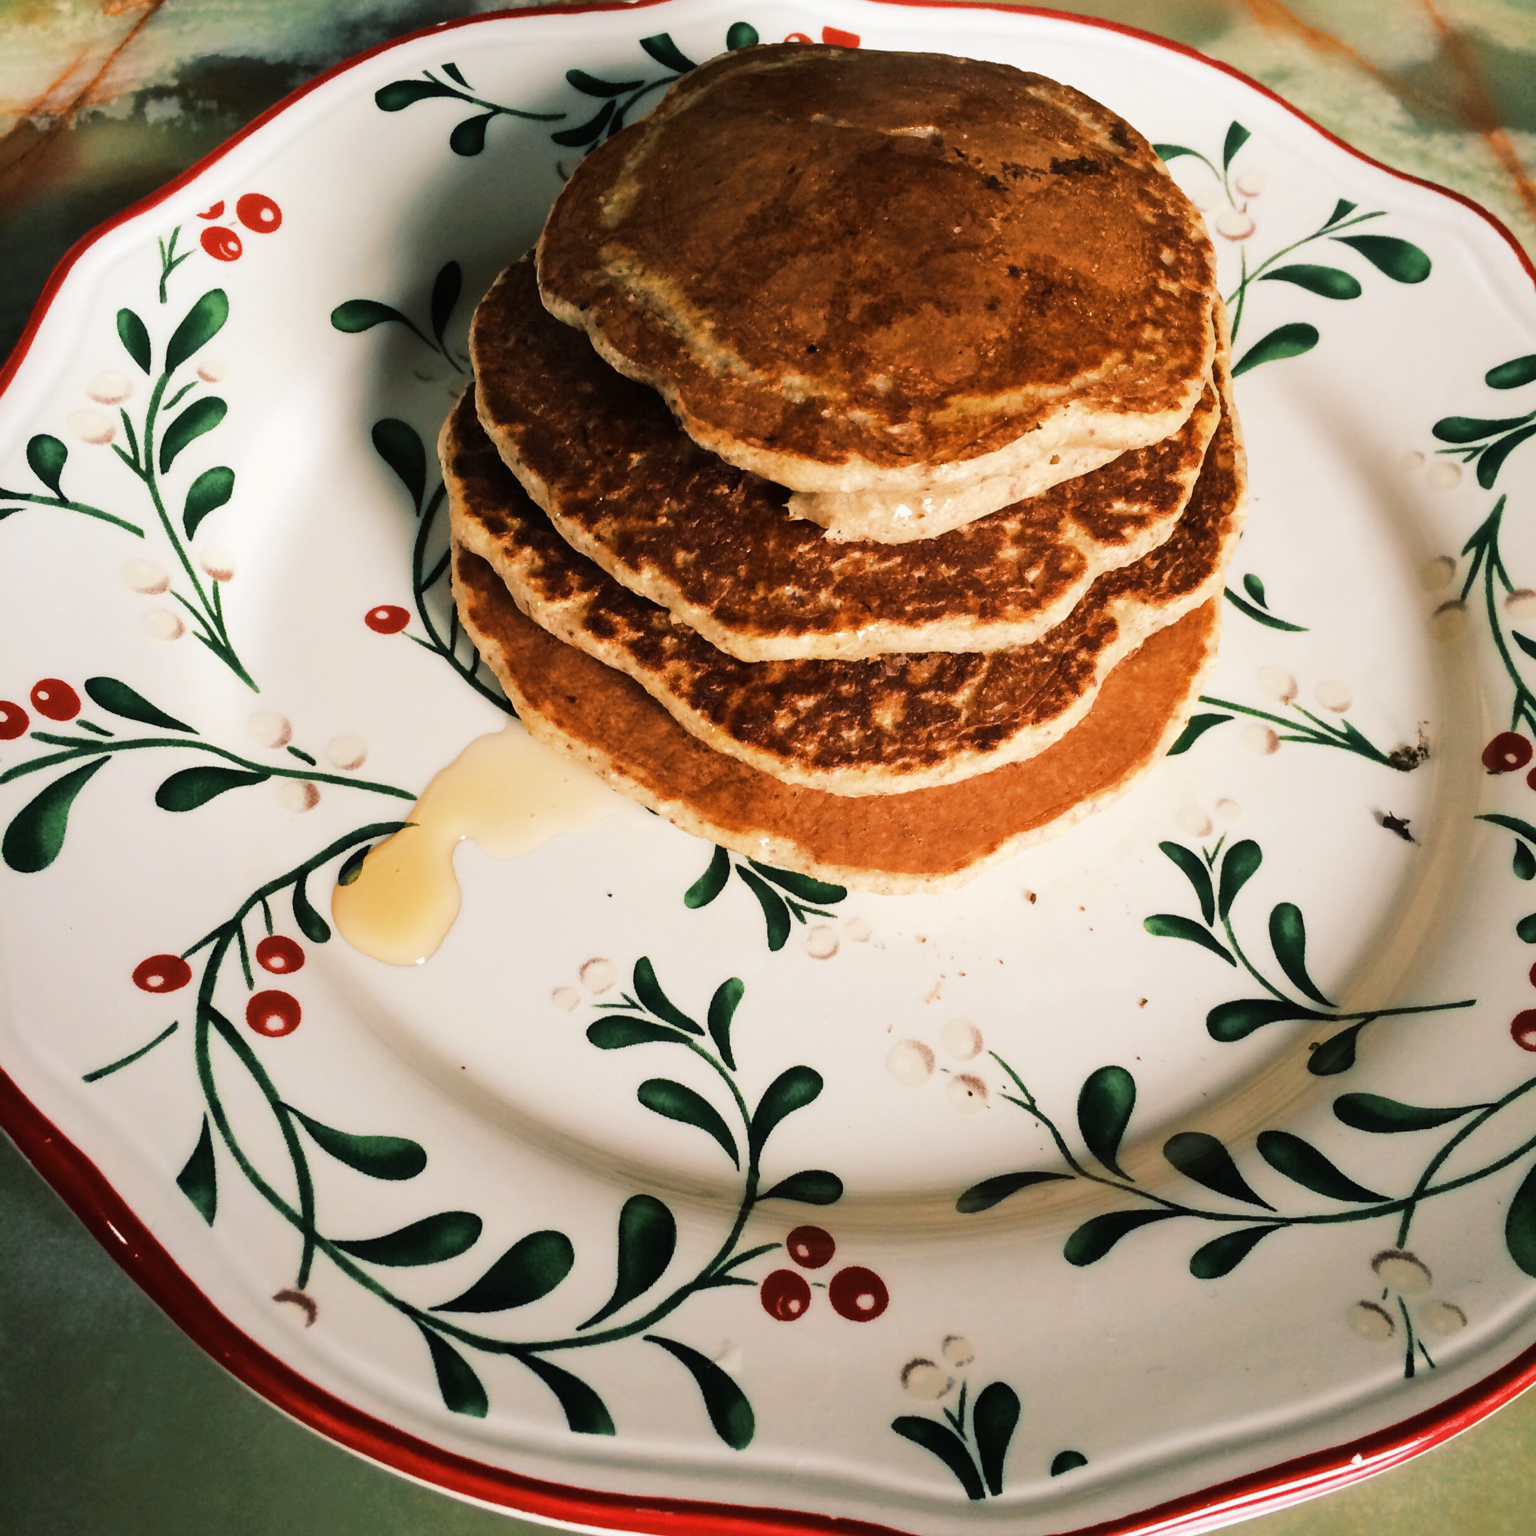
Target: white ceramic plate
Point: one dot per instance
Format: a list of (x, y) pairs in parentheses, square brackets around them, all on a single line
[(1178, 1167)]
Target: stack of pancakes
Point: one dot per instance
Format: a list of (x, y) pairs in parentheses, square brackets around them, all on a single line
[(851, 473)]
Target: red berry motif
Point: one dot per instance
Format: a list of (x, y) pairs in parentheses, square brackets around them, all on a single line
[(785, 1295), (13, 720), (1523, 1030), (56, 699), (810, 1247), (858, 1293), (1507, 751), (273, 1013), (213, 212), (279, 954), (258, 213), (162, 973), (386, 619), (222, 244)]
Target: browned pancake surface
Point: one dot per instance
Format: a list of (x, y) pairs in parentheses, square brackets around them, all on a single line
[(926, 839), (626, 487), (852, 727), (885, 262)]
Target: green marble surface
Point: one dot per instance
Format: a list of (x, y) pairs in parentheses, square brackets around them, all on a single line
[(112, 1423)]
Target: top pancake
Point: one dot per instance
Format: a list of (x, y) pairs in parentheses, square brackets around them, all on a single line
[(889, 275), (602, 456)]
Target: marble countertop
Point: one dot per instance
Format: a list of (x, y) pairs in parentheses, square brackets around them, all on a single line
[(111, 1421)]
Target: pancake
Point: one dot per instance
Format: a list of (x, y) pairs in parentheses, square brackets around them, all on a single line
[(927, 840), (625, 486), (913, 289), (876, 727)]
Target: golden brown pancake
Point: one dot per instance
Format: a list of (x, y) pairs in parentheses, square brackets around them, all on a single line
[(883, 278), (625, 486), (925, 840), (877, 727)]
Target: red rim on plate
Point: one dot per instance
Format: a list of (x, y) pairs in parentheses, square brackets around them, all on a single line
[(89, 1194)]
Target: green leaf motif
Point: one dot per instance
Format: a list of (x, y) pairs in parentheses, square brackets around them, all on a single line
[(462, 1390), (198, 1179), (990, 1192), (1524, 861), (943, 1442), (1326, 282), (811, 1186), (204, 321), (740, 34), (1091, 1241), (648, 990), (1201, 1157), (199, 417), (792, 1089), (1372, 1112), (397, 443), (206, 494), (1067, 1461), (590, 85), (1223, 1254), (1303, 1164), (36, 833), (1340, 210), (675, 1101), (1514, 373), (1104, 1107), (190, 788), (446, 288), (1492, 461), (355, 315), (667, 53), (1228, 1022), (468, 137), (455, 73), (352, 866), (1169, 925), (1237, 869), (710, 883), (775, 913), (45, 457), (1192, 866), (587, 132), (380, 1157), (817, 892), (399, 94), (726, 1404), (1525, 929), (1473, 429), (529, 1270), (119, 699), (1402, 261), (1520, 1225), (993, 1421), (1337, 1054), (1237, 136), (432, 1240), (1525, 643), (311, 924), (1255, 589), (617, 1032), (722, 1009), (1262, 615), (1284, 341), (135, 338), (647, 1241), (1197, 727), (585, 1412), (1288, 936)]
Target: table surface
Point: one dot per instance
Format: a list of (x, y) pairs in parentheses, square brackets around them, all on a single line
[(111, 1421)]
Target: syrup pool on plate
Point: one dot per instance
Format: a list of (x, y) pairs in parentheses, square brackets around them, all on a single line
[(505, 792)]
